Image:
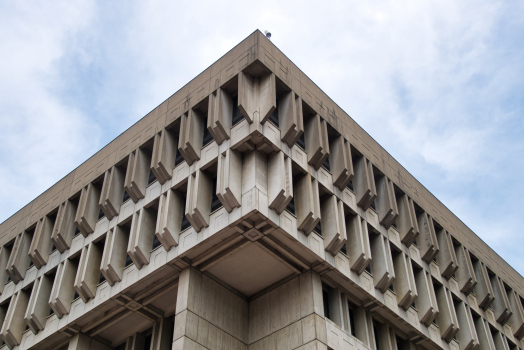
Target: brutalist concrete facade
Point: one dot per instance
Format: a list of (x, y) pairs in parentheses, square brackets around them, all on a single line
[(248, 211)]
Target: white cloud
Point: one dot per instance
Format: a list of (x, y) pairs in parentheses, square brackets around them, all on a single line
[(430, 81)]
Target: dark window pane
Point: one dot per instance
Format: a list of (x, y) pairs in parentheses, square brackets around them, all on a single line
[(152, 178), (273, 118), (237, 115), (291, 206), (215, 202), (156, 243), (301, 142), (318, 228), (101, 279), (326, 164), (185, 222), (128, 260), (101, 214), (126, 197), (325, 299), (208, 138)]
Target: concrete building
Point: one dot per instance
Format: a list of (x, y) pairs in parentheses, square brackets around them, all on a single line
[(248, 211)]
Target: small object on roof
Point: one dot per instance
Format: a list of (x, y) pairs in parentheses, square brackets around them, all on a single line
[(268, 34)]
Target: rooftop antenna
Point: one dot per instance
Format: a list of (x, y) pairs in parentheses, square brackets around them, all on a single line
[(268, 34)]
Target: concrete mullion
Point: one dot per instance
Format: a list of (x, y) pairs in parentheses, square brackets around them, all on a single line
[(280, 181), (19, 259), (386, 202), (446, 318), (112, 192), (427, 239), (331, 224), (267, 96), (358, 248), (483, 290), (198, 200), (4, 258), (169, 221), (64, 229), (465, 274), (446, 256), (220, 115), (316, 150), (164, 154), (426, 302), (288, 114), (501, 307), (407, 221), (341, 163), (404, 283), (516, 320), (364, 184), (381, 267), (141, 238), (486, 341), (229, 179), (88, 209), (467, 334), (14, 324), (88, 274), (306, 203), (41, 244), (63, 290), (114, 255), (38, 307)]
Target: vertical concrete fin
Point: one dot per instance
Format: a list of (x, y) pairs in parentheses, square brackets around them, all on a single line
[(317, 144), (247, 96), (465, 274), (14, 324), (427, 239), (267, 96), (307, 203), (363, 183), (426, 301), (516, 320), (142, 236), (220, 115), (88, 209), (169, 221), (4, 258), (381, 263), (467, 335), (501, 306), (290, 118), (38, 307), (280, 181), (341, 162), (229, 179), (483, 289), (483, 330), (191, 136), (358, 248), (64, 229), (19, 259), (198, 200), (137, 174), (404, 283), (112, 192), (164, 154), (446, 256), (161, 336), (63, 288), (333, 224), (446, 318), (41, 243), (407, 221), (114, 255), (386, 202), (88, 274)]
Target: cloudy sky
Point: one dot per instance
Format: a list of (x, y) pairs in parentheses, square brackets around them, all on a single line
[(439, 84)]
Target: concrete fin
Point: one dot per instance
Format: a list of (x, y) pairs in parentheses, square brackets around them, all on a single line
[(229, 179), (427, 239), (341, 162), (220, 115), (169, 221), (64, 229), (114, 255), (164, 154)]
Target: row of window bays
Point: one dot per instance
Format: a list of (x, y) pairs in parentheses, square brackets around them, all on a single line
[(300, 194), (456, 323)]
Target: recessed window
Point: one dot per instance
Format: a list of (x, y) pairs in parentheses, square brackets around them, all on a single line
[(326, 164), (301, 142), (185, 222), (128, 260), (273, 118), (237, 114), (291, 206), (156, 242), (350, 185), (101, 214), (318, 228), (152, 178), (215, 202), (208, 138)]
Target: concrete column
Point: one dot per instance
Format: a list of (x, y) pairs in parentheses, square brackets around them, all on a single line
[(404, 283), (363, 183), (465, 274), (467, 335), (501, 306), (88, 274), (446, 318), (198, 199), (446, 256), (358, 247), (291, 117), (41, 243), (483, 290), (229, 179), (19, 259), (64, 229), (407, 220), (162, 338), (484, 335), (333, 224), (426, 301), (307, 202), (220, 115), (516, 320), (280, 181), (14, 324), (112, 192), (427, 239), (385, 337), (63, 288), (290, 316), (169, 221), (381, 262), (83, 342), (114, 255), (386, 202), (38, 307), (500, 341), (341, 162), (137, 174), (191, 135), (164, 155), (142, 236), (208, 316), (317, 144)]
